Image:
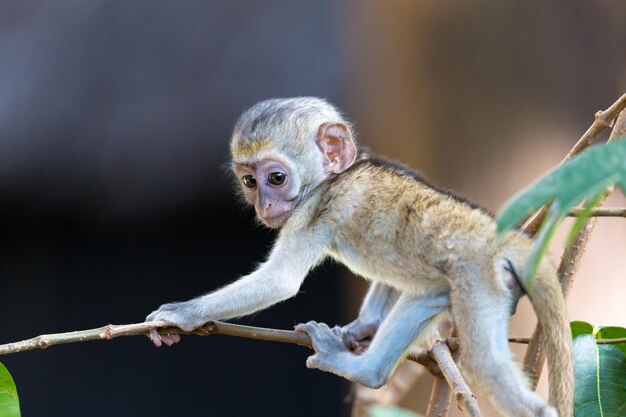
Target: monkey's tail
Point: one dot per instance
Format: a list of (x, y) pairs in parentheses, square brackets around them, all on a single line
[(549, 305)]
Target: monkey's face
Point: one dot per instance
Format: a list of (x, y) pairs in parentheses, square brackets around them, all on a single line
[(282, 148), (272, 186)]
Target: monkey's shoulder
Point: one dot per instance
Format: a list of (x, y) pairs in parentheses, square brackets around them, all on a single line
[(382, 184)]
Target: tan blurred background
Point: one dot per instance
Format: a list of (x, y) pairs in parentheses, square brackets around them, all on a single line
[(485, 97), (114, 122)]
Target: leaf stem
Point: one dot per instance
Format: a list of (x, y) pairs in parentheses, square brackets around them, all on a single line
[(599, 212)]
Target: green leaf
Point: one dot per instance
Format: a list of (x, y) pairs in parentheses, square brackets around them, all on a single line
[(9, 403), (611, 332), (600, 379), (386, 411), (540, 247), (580, 327), (585, 176), (582, 217)]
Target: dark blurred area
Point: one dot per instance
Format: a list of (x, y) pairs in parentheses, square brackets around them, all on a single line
[(115, 195), (114, 127)]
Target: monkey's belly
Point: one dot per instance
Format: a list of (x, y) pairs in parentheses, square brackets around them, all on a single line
[(407, 275)]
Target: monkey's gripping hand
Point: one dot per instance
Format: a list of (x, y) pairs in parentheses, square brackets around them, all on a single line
[(331, 354), (359, 330), (181, 314)]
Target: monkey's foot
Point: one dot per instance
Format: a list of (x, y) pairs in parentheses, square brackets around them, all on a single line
[(326, 341), (332, 355), (358, 331)]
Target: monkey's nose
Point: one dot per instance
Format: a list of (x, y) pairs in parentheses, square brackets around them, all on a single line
[(267, 209)]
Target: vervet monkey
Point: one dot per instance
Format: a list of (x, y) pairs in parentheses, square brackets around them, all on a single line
[(426, 251)]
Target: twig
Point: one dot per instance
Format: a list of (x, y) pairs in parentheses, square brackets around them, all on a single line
[(466, 400), (440, 394), (602, 120), (600, 212), (526, 340), (112, 331), (570, 261), (440, 352), (439, 402)]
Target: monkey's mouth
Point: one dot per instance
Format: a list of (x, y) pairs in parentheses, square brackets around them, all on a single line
[(276, 221)]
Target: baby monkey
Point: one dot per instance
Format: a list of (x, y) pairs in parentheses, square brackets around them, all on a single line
[(426, 252)]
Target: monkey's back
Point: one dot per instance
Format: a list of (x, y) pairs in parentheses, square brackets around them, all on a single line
[(392, 226)]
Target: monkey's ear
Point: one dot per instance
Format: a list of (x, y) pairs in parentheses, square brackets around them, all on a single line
[(337, 146)]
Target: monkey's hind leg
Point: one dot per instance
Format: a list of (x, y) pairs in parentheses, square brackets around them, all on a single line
[(481, 308), (400, 328)]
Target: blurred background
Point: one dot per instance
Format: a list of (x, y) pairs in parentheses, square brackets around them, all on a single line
[(115, 118)]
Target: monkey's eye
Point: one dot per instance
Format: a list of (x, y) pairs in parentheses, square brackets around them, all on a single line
[(277, 178), (249, 181)]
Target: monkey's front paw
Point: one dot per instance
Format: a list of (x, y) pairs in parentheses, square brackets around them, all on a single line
[(178, 314)]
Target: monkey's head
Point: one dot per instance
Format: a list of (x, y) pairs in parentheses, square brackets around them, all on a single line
[(283, 148)]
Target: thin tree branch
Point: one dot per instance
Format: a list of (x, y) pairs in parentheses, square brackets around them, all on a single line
[(440, 353), (526, 340), (570, 261), (441, 392), (113, 331), (440, 395), (602, 120), (600, 212), (466, 400)]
